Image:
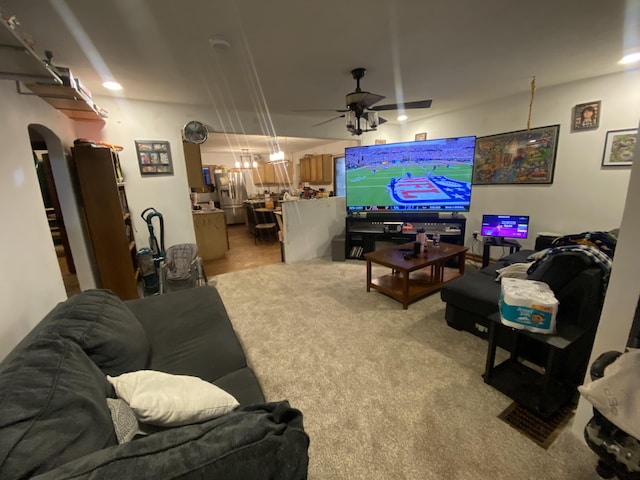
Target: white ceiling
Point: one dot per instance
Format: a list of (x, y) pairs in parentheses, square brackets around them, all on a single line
[(288, 55)]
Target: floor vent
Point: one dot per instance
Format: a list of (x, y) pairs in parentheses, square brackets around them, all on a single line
[(542, 431)]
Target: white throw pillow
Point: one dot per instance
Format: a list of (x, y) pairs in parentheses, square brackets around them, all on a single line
[(169, 400)]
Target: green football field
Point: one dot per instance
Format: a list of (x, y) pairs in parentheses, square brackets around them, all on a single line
[(367, 188)]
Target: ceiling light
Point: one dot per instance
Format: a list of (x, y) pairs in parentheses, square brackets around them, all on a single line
[(402, 118), (112, 86), (219, 42), (274, 157), (630, 58), (237, 163), (255, 164)]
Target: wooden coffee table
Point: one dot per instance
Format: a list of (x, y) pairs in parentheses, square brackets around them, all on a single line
[(410, 279)]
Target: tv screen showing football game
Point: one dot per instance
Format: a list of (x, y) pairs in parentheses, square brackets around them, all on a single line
[(505, 226), (430, 175)]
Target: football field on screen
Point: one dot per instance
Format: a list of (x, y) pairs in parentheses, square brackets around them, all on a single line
[(370, 186)]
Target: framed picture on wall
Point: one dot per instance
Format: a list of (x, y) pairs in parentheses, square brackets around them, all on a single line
[(586, 116), (154, 157), (520, 157), (619, 148), (420, 136)]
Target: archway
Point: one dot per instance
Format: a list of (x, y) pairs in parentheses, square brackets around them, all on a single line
[(61, 206)]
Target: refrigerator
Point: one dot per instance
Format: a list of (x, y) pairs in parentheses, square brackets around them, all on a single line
[(232, 192)]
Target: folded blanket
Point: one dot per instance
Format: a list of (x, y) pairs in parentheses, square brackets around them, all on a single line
[(515, 270)]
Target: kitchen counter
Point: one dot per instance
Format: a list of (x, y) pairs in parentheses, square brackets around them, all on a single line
[(211, 233)]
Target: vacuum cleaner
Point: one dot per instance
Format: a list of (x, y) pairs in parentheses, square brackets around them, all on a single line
[(149, 259)]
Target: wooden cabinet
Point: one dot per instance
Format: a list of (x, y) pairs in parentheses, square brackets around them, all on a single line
[(193, 162), (317, 169), (211, 234), (106, 210), (273, 173)]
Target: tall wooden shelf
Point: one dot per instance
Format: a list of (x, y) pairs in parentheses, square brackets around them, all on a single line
[(108, 219)]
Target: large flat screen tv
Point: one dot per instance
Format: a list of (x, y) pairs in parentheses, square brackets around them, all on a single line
[(505, 226), (423, 176)]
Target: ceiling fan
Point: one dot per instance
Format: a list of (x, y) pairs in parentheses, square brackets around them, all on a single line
[(361, 115)]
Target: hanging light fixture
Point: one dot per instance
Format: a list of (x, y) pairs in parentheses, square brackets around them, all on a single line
[(245, 159)]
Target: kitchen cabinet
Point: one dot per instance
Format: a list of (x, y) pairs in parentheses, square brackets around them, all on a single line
[(193, 162), (273, 173), (317, 169), (104, 201), (211, 233)]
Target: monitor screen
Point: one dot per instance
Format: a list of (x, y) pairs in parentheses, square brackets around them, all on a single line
[(505, 226), (426, 176)]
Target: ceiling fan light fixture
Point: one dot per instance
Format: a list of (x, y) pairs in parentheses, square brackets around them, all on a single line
[(350, 120), (372, 118)]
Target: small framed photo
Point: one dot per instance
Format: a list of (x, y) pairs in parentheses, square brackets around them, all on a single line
[(586, 116), (619, 148), (154, 157), (421, 136)]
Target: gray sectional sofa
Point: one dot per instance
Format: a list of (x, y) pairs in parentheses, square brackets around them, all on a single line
[(55, 422)]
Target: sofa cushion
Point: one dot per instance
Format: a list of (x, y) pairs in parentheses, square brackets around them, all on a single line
[(163, 399), (104, 327), (476, 291), (53, 408), (190, 333)]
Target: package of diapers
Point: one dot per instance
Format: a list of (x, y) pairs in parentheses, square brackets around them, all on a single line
[(528, 305)]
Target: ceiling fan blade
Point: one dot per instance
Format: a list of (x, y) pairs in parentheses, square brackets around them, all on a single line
[(327, 121), (323, 110), (381, 120), (407, 105)]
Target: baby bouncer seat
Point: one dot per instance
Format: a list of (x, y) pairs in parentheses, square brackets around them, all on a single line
[(181, 268)]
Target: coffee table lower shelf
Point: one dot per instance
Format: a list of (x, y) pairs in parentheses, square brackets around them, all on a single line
[(420, 285)]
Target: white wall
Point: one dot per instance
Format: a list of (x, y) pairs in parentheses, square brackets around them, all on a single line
[(584, 196), (310, 225), (622, 293), (31, 282)]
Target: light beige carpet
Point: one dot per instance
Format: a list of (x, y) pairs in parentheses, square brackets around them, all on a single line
[(386, 393)]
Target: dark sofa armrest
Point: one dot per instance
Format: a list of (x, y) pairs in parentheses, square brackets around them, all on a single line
[(602, 362), (256, 441)]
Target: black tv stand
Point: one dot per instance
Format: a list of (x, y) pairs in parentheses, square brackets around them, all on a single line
[(363, 232), (513, 245)]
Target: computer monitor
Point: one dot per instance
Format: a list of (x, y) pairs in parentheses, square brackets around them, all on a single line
[(505, 226)]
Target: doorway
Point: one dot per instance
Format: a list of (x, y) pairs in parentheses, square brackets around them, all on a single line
[(53, 210)]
